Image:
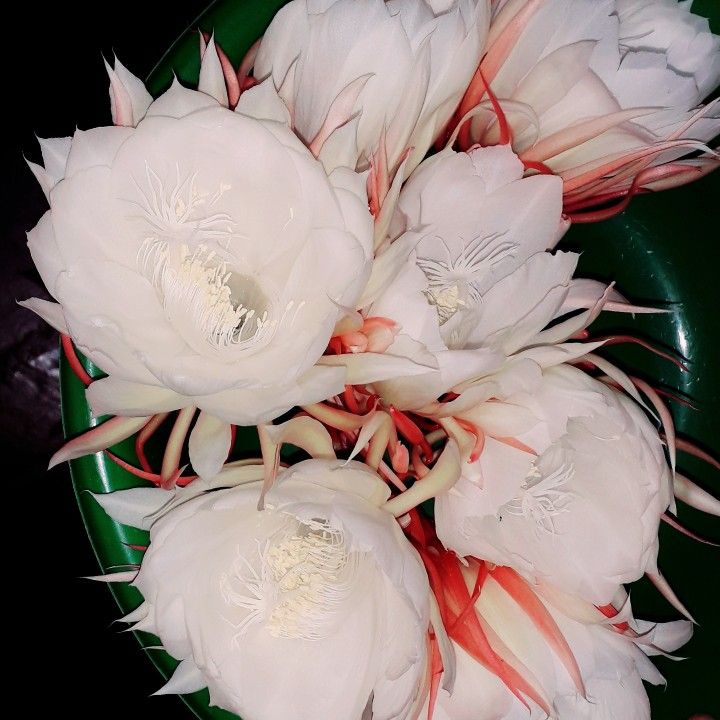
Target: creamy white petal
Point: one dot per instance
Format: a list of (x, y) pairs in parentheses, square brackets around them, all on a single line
[(209, 445), (50, 312), (140, 98), (251, 406), (112, 396), (134, 507), (55, 153), (263, 103), (45, 251), (187, 678), (179, 101), (211, 80)]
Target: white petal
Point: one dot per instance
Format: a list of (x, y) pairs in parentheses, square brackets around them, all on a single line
[(140, 98), (120, 103), (212, 80), (114, 396), (251, 406), (45, 251), (178, 102), (404, 357), (187, 678), (548, 355), (387, 266), (138, 614), (263, 103), (44, 179), (209, 444), (497, 166), (97, 146), (50, 312), (55, 153), (539, 287), (135, 506)]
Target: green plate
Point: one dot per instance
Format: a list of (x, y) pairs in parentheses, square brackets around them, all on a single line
[(662, 249)]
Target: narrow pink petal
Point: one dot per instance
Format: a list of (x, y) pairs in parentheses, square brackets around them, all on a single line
[(578, 178), (341, 111), (669, 594), (173, 449), (693, 495), (575, 135), (118, 577), (523, 595), (120, 101), (505, 41), (665, 416), (99, 438), (673, 523), (231, 79), (516, 675), (619, 339), (248, 60), (692, 172), (695, 451)]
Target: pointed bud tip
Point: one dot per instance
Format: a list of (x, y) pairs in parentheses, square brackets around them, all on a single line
[(57, 459)]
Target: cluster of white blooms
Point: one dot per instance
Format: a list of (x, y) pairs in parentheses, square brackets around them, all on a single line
[(301, 239)]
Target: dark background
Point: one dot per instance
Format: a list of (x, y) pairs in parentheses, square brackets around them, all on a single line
[(57, 630)]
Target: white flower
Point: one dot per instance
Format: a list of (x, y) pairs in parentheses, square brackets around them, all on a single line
[(612, 665), (569, 488), (590, 87), (665, 49), (372, 68), (471, 278), (315, 607), (201, 258)]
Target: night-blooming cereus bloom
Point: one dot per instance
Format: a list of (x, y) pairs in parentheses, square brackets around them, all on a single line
[(201, 258), (372, 71), (612, 664), (316, 606), (569, 489), (471, 278), (603, 92)]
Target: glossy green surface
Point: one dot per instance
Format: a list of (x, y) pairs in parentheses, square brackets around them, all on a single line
[(665, 248)]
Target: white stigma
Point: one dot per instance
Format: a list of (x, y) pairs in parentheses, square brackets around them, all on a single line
[(458, 281), (304, 576), (181, 210), (542, 498)]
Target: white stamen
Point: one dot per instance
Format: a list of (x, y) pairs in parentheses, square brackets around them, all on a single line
[(304, 576), (197, 285), (185, 255)]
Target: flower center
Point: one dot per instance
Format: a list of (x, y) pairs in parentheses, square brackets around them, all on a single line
[(304, 577), (184, 255), (203, 298), (460, 280), (541, 498)]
